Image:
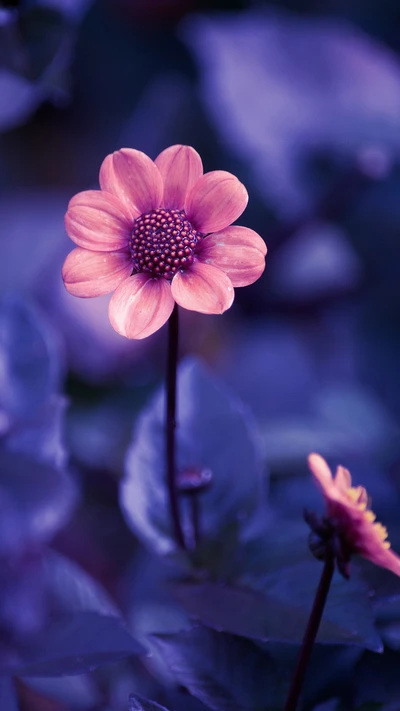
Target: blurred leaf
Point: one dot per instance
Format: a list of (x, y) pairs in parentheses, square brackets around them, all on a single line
[(347, 607), (42, 437), (8, 696), (41, 495), (220, 556), (76, 692), (73, 9), (36, 47), (377, 681), (330, 673), (341, 421), (390, 633), (274, 615), (331, 705), (152, 607), (29, 360), (357, 411), (43, 32), (76, 644), (271, 390), (318, 260), (139, 703), (23, 98), (207, 415), (72, 589), (279, 78), (290, 546), (225, 672), (23, 603)]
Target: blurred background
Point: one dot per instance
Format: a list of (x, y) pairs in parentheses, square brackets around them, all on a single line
[(301, 100)]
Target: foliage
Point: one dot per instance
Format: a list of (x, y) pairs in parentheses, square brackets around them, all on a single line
[(99, 608)]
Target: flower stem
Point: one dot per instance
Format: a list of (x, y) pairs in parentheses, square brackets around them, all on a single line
[(172, 363), (310, 634)]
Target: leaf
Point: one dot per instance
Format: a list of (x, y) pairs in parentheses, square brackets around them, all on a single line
[(76, 644), (72, 589), (207, 415), (139, 703), (376, 680), (44, 33), (8, 697), (23, 98), (279, 78), (43, 436), (330, 672), (30, 368), (41, 496), (290, 547), (225, 672), (76, 692), (347, 607), (317, 261), (261, 616)]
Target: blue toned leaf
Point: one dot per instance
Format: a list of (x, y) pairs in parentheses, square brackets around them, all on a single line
[(279, 79), (214, 432), (139, 703), (8, 697), (377, 680), (75, 644), (23, 97), (43, 33), (259, 616), (23, 600), (330, 672), (41, 496), (76, 692), (331, 705), (37, 44), (30, 369), (224, 672), (347, 608), (317, 261), (72, 589), (271, 390), (43, 436)]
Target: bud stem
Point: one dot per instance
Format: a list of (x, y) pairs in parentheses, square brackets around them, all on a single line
[(310, 634), (195, 505)]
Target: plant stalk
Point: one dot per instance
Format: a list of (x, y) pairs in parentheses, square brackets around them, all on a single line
[(170, 442), (310, 634)]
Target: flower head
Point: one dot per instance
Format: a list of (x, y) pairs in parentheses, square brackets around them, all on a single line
[(157, 233), (348, 511)]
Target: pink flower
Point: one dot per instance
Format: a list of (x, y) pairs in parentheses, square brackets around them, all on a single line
[(348, 511), (159, 233)]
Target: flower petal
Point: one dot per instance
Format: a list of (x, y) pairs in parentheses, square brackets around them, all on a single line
[(140, 306), (98, 221), (203, 288), (107, 179), (237, 251), (133, 178), (87, 273), (342, 479), (383, 557), (180, 167), (217, 200), (321, 472)]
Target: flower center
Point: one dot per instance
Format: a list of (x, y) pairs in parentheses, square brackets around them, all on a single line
[(163, 242)]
